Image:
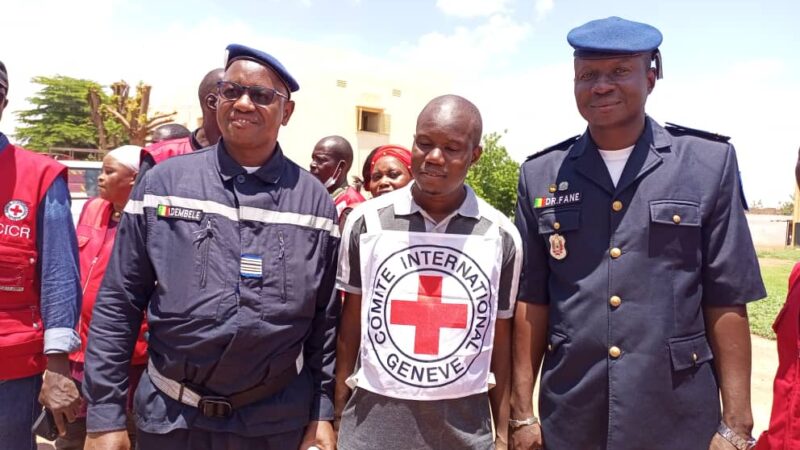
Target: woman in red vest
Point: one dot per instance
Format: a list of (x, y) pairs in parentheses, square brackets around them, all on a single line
[(784, 424), (96, 230)]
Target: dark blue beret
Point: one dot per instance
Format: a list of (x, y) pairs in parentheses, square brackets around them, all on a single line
[(237, 51), (613, 36), (3, 75)]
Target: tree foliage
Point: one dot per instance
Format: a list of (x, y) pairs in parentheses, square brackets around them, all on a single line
[(60, 116), (127, 113), (494, 176)]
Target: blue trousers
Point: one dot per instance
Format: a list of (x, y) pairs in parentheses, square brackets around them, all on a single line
[(19, 408)]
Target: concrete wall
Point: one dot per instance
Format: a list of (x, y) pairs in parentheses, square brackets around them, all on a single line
[(768, 230)]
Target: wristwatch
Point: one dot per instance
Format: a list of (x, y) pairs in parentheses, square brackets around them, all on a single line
[(737, 441), (514, 423)]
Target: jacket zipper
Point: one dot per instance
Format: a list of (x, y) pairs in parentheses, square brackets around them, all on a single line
[(282, 258), (204, 237)]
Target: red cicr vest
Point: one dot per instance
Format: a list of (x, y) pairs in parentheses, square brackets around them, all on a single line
[(164, 150), (349, 198), (95, 242), (784, 424), (25, 178)]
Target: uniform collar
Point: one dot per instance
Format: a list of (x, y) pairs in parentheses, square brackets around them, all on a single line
[(269, 173), (196, 145), (469, 207), (653, 132)]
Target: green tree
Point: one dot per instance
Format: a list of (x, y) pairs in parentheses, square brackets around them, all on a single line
[(494, 176), (60, 116)]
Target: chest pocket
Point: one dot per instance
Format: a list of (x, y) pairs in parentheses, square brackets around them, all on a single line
[(559, 220), (675, 231)]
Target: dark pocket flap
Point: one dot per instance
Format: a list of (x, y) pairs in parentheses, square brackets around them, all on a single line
[(675, 212), (559, 220), (689, 351)]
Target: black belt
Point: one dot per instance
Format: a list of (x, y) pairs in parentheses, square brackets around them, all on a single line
[(217, 405)]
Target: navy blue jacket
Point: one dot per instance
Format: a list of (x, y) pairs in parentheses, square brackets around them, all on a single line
[(642, 261), (236, 273)]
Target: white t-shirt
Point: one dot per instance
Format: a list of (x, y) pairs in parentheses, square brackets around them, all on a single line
[(250, 169), (615, 161)]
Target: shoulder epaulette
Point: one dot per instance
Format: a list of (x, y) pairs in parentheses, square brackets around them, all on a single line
[(680, 130), (563, 145)]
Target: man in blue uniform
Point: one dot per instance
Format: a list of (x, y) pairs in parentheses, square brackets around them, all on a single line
[(232, 253), (638, 264)]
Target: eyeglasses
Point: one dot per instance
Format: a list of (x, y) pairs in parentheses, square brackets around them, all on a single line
[(260, 95)]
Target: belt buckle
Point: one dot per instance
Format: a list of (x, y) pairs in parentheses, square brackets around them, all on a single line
[(212, 406)]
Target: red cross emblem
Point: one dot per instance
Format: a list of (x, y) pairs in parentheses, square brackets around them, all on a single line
[(16, 210), (428, 315)]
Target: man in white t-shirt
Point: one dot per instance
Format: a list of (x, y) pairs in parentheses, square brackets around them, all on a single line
[(430, 273)]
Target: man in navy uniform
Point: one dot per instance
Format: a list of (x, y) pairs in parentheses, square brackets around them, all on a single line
[(638, 263), (232, 253)]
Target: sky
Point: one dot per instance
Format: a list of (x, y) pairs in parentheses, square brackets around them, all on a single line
[(730, 66)]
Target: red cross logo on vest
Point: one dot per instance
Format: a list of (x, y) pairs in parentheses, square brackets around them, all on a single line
[(16, 210), (428, 315)]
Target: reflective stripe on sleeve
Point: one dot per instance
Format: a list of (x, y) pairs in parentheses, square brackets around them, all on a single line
[(248, 213)]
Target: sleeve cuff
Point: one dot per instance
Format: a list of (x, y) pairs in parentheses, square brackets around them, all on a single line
[(61, 340), (322, 408), (105, 417)]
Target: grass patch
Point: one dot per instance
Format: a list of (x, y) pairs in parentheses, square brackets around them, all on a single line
[(776, 265)]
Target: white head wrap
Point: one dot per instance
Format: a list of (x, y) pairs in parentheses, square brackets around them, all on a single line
[(128, 156)]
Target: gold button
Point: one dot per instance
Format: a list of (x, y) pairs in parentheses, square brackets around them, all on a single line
[(616, 206), (614, 352), (556, 225), (694, 357), (549, 347), (614, 301), (615, 253), (552, 188), (676, 218)]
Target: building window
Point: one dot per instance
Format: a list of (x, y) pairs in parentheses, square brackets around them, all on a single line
[(373, 120)]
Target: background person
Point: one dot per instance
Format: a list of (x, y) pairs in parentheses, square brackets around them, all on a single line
[(386, 169), (208, 134), (331, 159)]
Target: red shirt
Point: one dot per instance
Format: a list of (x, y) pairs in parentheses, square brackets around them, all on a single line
[(345, 199), (784, 424)]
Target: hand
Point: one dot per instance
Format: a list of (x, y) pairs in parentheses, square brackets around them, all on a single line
[(59, 393), (527, 437), (110, 440), (319, 434), (719, 443)]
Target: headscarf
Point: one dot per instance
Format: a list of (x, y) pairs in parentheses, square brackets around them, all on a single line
[(127, 155), (402, 154)]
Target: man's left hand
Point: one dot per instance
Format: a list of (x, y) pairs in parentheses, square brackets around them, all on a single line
[(319, 434), (59, 393), (719, 443)]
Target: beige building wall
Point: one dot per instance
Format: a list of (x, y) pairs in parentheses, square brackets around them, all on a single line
[(330, 103)]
